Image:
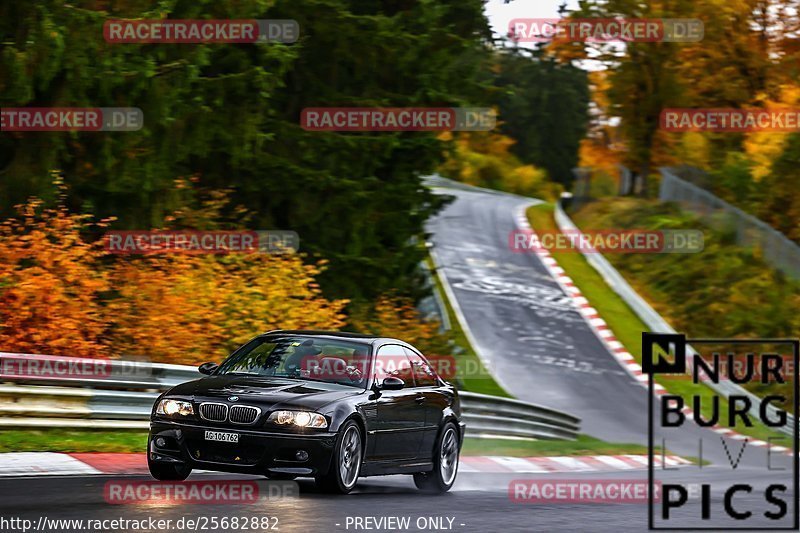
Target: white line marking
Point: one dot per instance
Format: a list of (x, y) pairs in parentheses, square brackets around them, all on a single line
[(517, 464), (572, 464), (43, 464), (612, 461)]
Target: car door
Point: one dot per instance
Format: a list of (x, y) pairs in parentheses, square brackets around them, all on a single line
[(400, 419), (429, 395)]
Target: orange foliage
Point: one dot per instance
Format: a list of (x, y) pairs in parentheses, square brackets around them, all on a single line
[(50, 280), (593, 154), (61, 294)]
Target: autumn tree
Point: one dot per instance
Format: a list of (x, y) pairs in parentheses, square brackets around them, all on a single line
[(51, 284), (228, 115), (62, 293), (192, 309), (484, 159), (543, 107)]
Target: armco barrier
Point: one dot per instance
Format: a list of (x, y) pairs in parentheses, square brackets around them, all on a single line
[(492, 416), (776, 249), (653, 320), (123, 397)]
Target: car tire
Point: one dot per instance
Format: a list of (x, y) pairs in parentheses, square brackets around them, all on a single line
[(445, 463), (168, 471), (348, 453)]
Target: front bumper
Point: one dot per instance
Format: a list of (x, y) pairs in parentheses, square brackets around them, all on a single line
[(257, 452)]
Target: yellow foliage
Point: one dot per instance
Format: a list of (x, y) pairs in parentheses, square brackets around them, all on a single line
[(694, 149), (62, 294), (484, 159), (764, 147), (201, 307)]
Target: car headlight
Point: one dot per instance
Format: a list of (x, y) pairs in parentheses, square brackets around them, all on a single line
[(174, 407), (305, 419)]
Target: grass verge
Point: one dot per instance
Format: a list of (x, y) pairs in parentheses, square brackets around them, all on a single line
[(72, 440), (626, 324), (583, 445), (134, 441)]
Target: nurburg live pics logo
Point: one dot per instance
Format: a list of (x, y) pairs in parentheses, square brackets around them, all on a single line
[(757, 493)]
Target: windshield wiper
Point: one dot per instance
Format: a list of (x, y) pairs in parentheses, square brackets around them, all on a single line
[(301, 378)]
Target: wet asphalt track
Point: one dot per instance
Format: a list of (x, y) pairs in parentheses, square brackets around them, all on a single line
[(536, 343), (479, 502), (541, 350)]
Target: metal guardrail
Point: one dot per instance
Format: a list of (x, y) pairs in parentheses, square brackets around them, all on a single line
[(493, 416), (777, 249), (121, 396), (656, 322)]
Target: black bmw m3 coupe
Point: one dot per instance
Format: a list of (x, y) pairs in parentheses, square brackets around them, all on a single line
[(332, 405)]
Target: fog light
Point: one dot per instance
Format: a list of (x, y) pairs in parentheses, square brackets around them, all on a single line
[(160, 442), (301, 455)]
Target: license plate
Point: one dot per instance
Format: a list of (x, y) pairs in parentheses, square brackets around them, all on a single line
[(221, 436)]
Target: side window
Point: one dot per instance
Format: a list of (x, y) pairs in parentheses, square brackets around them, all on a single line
[(423, 373), (392, 361)]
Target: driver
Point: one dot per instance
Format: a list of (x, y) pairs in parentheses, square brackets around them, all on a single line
[(300, 358)]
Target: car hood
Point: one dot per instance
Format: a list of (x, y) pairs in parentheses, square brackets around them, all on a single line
[(265, 392)]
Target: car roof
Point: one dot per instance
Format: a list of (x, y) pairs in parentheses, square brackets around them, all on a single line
[(367, 339), (322, 333)]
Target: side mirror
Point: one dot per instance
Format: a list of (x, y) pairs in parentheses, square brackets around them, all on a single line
[(392, 383), (208, 368)]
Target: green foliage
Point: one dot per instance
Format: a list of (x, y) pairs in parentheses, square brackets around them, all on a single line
[(73, 440), (775, 198), (603, 185), (227, 117), (734, 177), (781, 192), (484, 159), (583, 445), (643, 76), (543, 106), (626, 325), (723, 291), (199, 101)]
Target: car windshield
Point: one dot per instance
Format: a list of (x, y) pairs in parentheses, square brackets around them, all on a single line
[(306, 358)]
